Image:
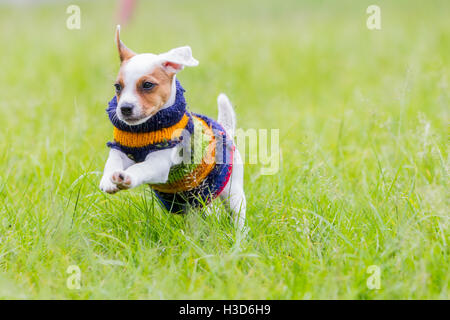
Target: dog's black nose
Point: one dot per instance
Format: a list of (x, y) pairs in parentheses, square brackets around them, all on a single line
[(127, 109)]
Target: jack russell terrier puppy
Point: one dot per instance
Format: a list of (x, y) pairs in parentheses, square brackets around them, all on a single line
[(187, 159)]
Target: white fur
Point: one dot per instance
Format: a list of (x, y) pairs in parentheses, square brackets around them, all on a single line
[(122, 173), (117, 160), (155, 169)]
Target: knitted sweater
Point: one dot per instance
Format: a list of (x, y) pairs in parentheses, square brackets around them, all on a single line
[(206, 166)]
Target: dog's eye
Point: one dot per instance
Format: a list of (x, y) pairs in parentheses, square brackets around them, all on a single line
[(118, 87), (147, 85)]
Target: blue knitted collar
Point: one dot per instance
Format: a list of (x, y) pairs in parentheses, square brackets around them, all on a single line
[(162, 119)]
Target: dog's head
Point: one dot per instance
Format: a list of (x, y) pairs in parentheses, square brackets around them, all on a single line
[(145, 83)]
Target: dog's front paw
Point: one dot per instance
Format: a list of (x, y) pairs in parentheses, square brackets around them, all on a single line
[(106, 185), (122, 180)]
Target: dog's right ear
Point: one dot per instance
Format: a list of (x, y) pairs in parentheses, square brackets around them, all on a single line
[(124, 52), (176, 59)]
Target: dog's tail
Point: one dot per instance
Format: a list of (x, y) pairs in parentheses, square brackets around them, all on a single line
[(227, 117)]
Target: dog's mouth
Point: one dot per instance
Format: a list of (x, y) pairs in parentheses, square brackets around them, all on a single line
[(134, 121), (130, 120), (136, 117)]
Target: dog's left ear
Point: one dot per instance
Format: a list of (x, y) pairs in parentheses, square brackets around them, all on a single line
[(124, 52), (176, 59)]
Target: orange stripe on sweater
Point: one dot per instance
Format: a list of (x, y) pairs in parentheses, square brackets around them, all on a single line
[(139, 139)]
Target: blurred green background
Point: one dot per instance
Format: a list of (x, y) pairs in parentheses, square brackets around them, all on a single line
[(363, 119)]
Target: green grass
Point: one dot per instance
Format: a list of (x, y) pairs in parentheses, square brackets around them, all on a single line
[(363, 119)]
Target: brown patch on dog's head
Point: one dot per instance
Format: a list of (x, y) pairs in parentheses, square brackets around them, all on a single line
[(153, 99), (162, 77)]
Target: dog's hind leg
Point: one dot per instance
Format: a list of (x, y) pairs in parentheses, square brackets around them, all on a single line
[(233, 194)]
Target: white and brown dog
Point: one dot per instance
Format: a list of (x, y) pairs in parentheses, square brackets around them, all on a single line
[(148, 112)]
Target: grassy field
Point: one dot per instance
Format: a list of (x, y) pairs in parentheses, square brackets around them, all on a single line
[(363, 179)]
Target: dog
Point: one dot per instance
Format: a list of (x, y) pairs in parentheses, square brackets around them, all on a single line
[(153, 143)]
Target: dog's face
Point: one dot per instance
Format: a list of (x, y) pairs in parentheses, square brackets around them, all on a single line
[(145, 83)]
